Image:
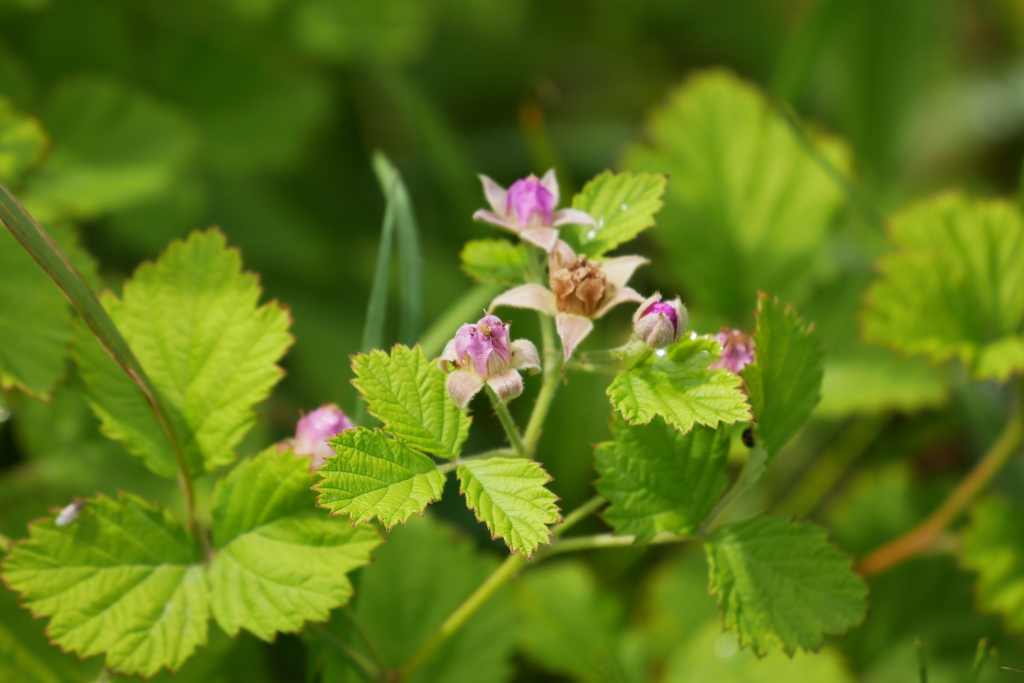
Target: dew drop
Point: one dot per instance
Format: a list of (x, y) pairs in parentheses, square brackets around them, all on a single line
[(661, 352), (592, 234), (726, 646), (624, 207)]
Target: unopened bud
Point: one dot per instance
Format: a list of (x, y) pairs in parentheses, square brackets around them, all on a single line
[(660, 323)]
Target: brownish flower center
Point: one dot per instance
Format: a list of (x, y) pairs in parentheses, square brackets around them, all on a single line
[(579, 286)]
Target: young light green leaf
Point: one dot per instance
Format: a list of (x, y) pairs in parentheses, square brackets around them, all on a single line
[(509, 495), (569, 625), (271, 541), (373, 475), (122, 579), (679, 387), (35, 322), (623, 205), (495, 260), (113, 148), (400, 609), (660, 479), (993, 546), (23, 144), (743, 191), (785, 380), (407, 393), (193, 321), (953, 285), (782, 585)]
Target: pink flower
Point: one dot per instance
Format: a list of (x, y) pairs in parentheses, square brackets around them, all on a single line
[(313, 430), (481, 354), (581, 290), (527, 208), (737, 350), (660, 324)]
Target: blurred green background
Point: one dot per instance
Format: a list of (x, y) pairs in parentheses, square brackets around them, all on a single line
[(261, 116)]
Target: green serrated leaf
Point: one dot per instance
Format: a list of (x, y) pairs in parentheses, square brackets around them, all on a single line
[(993, 546), (785, 381), (271, 541), (373, 475), (743, 191), (35, 322), (193, 322), (622, 204), (122, 579), (659, 479), (400, 609), (23, 144), (678, 386), (569, 625), (781, 585), (509, 495), (953, 285), (407, 393), (495, 261), (113, 148)]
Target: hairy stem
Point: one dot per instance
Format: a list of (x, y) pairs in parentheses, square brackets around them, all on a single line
[(370, 671), (598, 541), (552, 373), (506, 421), (505, 571), (928, 533)]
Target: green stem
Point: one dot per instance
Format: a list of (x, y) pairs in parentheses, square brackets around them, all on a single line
[(928, 533), (369, 670), (598, 541), (58, 266), (553, 360), (463, 612), (506, 421), (579, 514)]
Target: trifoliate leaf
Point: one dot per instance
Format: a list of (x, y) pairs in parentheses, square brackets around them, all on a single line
[(678, 386), (785, 380), (623, 205), (993, 546), (122, 579), (748, 206), (35, 322), (193, 321), (113, 148), (407, 393), (569, 624), (509, 495), (495, 261), (659, 479), (373, 475), (781, 585), (400, 609), (271, 541), (23, 144), (953, 285)]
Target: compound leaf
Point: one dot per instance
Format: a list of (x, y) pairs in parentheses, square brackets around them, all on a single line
[(509, 495), (373, 475)]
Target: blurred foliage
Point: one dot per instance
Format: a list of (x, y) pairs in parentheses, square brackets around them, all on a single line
[(134, 122)]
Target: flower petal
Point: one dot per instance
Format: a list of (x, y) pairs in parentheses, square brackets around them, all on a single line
[(550, 183), (572, 217), (463, 385), (448, 357), (572, 329), (490, 217), (619, 270), (497, 196), (545, 238), (620, 297), (529, 295), (644, 305), (524, 355), (506, 385)]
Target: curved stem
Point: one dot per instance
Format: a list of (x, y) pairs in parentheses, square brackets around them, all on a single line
[(606, 541), (506, 421), (926, 534)]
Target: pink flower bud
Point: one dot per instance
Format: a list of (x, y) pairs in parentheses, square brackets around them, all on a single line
[(737, 350), (660, 324), (313, 430), (532, 202), (482, 353)]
